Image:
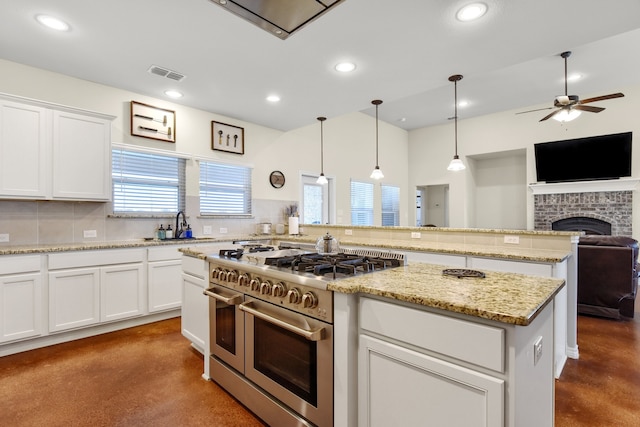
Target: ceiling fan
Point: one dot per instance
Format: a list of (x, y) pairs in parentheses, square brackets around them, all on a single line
[(570, 106)]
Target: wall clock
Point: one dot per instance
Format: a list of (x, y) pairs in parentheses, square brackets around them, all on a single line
[(276, 179)]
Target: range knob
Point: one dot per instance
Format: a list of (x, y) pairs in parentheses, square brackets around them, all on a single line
[(294, 296), (244, 279), (309, 300), (232, 276), (265, 287), (215, 274), (279, 289), (255, 284)]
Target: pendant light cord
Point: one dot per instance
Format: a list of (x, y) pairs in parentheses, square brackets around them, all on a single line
[(321, 119), (455, 115)]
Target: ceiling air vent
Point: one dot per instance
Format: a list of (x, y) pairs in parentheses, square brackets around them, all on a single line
[(279, 17), (165, 72)]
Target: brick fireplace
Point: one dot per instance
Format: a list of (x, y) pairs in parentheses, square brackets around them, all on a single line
[(596, 207)]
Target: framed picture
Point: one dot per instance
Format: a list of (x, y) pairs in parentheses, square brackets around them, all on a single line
[(227, 138), (152, 122)]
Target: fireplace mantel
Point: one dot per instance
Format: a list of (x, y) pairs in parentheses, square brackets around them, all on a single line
[(627, 184)]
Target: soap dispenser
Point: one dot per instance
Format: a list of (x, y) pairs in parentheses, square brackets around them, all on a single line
[(169, 232), (161, 233), (188, 233)]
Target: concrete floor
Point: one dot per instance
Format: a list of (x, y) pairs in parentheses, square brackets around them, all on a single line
[(150, 376)]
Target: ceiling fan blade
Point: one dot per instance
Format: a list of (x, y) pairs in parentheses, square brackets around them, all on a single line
[(550, 115), (602, 98), (531, 111), (588, 108)]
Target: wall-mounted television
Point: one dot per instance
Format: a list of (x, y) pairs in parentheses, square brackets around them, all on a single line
[(583, 159)]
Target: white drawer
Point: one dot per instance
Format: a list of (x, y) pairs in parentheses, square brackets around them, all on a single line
[(195, 266), (165, 253), (95, 258), (475, 343), (14, 264)]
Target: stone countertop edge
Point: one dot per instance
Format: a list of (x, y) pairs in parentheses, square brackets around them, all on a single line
[(504, 297), (522, 254)]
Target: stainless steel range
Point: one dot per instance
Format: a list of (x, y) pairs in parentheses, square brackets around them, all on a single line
[(271, 327)]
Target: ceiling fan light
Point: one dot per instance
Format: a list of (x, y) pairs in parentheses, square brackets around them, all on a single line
[(322, 180), (377, 173), (456, 164), (567, 115)]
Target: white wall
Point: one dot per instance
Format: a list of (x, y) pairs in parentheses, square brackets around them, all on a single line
[(431, 148)]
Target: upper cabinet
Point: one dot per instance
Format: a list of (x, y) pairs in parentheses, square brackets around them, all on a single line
[(52, 152)]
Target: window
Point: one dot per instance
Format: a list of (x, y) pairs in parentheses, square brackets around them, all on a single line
[(145, 183), (361, 203), (224, 189), (390, 205)]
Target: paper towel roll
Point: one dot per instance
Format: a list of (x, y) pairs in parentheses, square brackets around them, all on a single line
[(293, 225)]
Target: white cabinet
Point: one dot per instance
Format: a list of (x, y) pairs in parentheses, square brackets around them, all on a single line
[(87, 288), (53, 152), (24, 150), (81, 157), (20, 298), (74, 298), (195, 305), (165, 278)]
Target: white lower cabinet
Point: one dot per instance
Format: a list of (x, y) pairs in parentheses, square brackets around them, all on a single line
[(423, 390), (195, 305), (87, 288), (21, 306), (165, 278)]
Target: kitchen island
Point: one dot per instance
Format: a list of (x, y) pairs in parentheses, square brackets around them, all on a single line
[(413, 346)]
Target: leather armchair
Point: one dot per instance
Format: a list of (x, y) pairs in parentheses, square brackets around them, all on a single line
[(607, 276)]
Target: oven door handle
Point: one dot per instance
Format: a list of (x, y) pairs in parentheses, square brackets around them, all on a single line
[(232, 300), (315, 335)]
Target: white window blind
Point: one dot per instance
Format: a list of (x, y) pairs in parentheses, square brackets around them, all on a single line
[(361, 203), (390, 205), (147, 183), (224, 189)]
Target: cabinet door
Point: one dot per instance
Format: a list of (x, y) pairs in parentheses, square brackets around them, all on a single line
[(121, 292), (24, 150), (21, 303), (165, 285), (195, 311), (401, 387), (81, 157), (74, 298)]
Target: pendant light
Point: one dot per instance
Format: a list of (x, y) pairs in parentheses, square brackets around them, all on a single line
[(322, 179), (456, 164), (377, 173)]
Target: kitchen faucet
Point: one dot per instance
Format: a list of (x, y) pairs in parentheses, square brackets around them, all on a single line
[(180, 225)]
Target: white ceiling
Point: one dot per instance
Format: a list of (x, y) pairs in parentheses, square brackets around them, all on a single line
[(405, 51)]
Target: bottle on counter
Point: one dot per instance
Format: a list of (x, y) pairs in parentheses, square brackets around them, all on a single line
[(161, 233), (188, 233), (169, 232)]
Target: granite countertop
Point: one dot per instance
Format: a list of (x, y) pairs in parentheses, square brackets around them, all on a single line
[(504, 297)]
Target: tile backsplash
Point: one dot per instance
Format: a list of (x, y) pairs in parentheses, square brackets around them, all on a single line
[(49, 222)]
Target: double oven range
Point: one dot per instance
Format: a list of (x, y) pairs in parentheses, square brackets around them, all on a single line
[(271, 328)]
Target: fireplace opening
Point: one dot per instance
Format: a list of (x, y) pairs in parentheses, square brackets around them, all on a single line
[(580, 223)]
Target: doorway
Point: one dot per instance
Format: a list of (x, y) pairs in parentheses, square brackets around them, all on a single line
[(432, 205)]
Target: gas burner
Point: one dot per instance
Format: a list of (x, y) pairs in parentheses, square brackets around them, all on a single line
[(260, 248), (333, 264), (231, 253)]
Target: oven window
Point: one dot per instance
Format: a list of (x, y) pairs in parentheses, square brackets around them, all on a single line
[(286, 358), (226, 326)]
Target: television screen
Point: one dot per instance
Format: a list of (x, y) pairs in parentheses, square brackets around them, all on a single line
[(582, 159)]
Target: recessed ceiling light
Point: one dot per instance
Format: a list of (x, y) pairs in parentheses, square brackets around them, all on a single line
[(471, 12), (345, 67), (52, 22), (173, 94), (273, 98)]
